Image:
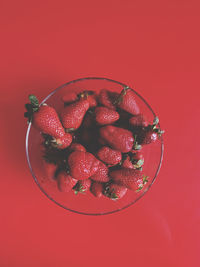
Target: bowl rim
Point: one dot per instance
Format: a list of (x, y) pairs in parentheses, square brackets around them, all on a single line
[(35, 178)]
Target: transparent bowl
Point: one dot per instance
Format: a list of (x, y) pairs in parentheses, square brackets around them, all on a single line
[(86, 203)]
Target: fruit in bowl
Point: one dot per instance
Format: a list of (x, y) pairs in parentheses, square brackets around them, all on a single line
[(92, 143)]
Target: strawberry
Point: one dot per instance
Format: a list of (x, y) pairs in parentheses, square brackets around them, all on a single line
[(136, 148), (49, 170), (127, 163), (77, 147), (97, 189), (118, 138), (150, 134), (82, 186), (65, 182), (107, 98), (90, 97), (46, 120), (69, 98), (73, 114), (127, 102), (149, 137), (109, 155), (138, 121), (130, 178), (115, 191), (137, 159), (82, 165), (64, 141), (101, 175), (105, 115)]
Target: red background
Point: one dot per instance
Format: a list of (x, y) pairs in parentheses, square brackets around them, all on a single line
[(150, 45)]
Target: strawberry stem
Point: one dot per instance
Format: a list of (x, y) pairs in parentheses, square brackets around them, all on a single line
[(122, 94)]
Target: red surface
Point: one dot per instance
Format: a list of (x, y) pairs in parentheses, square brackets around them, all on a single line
[(151, 45)]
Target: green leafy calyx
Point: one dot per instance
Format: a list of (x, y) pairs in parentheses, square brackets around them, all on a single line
[(79, 189), (145, 179), (113, 196), (136, 146), (155, 127), (31, 107), (34, 101), (156, 121), (139, 189), (139, 164)]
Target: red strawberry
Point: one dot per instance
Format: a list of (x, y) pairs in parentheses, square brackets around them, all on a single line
[(69, 97), (105, 115), (109, 155), (115, 191), (90, 97), (65, 182), (73, 114), (107, 98), (49, 170), (92, 100), (127, 163), (138, 120), (64, 141), (82, 164), (82, 186), (126, 101), (137, 156), (118, 138), (129, 178), (137, 159), (77, 147), (138, 148), (150, 134), (97, 189), (101, 175), (46, 120)]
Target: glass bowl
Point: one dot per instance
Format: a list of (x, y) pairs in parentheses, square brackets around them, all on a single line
[(86, 203)]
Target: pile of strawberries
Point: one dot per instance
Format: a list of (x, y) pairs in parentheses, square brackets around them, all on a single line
[(94, 143)]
